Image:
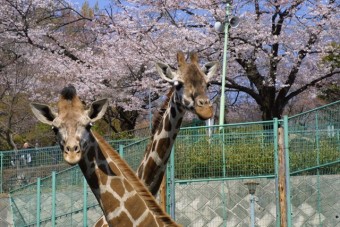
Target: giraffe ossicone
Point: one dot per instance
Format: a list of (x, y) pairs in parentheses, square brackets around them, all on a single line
[(124, 199)]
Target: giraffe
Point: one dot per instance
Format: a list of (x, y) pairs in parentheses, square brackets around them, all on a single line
[(188, 93), (124, 199)]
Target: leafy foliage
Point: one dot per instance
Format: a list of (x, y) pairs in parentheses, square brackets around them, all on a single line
[(205, 159), (274, 55)]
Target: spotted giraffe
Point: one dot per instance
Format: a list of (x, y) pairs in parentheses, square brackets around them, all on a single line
[(124, 199), (188, 93)]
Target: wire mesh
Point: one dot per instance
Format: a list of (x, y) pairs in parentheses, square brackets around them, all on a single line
[(134, 152), (233, 151), (67, 202), (22, 167), (314, 138), (212, 166)]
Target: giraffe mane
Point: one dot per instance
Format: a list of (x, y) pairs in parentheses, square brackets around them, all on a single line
[(159, 114), (135, 182)]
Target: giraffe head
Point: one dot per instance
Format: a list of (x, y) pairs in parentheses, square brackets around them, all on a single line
[(190, 81), (72, 122)]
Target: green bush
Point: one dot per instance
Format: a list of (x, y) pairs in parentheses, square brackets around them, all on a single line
[(247, 156)]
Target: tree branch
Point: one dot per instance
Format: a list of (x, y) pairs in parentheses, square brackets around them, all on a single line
[(310, 84)]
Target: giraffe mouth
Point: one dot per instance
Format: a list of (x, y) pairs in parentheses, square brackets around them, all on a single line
[(204, 112), (72, 158)]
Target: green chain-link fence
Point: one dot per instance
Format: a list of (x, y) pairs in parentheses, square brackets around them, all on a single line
[(209, 173), (22, 167)]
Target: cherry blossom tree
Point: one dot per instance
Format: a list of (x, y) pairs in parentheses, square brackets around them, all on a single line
[(274, 55)]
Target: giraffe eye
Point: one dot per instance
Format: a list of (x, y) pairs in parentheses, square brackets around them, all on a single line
[(88, 126), (178, 84), (55, 130)]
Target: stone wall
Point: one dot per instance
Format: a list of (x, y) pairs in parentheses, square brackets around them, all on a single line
[(315, 201), (6, 219)]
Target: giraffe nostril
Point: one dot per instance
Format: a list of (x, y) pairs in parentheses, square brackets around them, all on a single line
[(203, 102), (76, 149)]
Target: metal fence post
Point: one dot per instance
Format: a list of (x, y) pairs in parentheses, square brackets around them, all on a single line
[(53, 198), (84, 202), (224, 175), (121, 150), (317, 140), (276, 164), (170, 194), (38, 201)]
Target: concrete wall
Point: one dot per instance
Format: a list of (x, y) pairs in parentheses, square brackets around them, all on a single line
[(314, 201), (6, 219)]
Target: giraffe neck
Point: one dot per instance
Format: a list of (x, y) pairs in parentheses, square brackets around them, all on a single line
[(152, 167), (122, 196)]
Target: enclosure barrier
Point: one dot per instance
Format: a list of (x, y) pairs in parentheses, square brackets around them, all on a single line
[(22, 167), (219, 177)]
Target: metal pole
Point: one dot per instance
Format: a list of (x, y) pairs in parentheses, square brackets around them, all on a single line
[(317, 139), (53, 198), (38, 201), (276, 163), (85, 202), (224, 69), (171, 185), (252, 210), (121, 150)]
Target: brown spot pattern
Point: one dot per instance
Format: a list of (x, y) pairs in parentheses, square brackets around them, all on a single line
[(122, 220), (167, 123), (160, 128), (93, 181), (163, 145), (148, 170), (114, 203), (134, 210), (179, 122), (117, 184), (149, 221)]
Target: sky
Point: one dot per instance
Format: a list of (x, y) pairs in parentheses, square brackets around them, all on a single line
[(102, 3)]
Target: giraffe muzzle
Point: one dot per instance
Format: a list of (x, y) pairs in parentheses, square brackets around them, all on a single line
[(203, 108), (72, 154)]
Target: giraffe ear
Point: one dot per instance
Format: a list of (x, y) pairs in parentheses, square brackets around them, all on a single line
[(43, 113), (210, 69), (98, 109), (165, 72)]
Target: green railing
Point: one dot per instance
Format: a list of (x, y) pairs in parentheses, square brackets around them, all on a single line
[(22, 167), (207, 176)]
